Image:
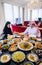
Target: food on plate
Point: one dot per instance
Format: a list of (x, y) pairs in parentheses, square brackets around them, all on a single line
[(16, 32), (39, 52), (13, 48), (32, 41), (5, 58), (29, 63), (5, 41), (25, 46), (10, 43), (18, 56), (38, 45), (17, 40), (21, 35), (40, 63), (13, 45), (33, 38), (5, 46), (26, 38), (10, 37), (32, 57)]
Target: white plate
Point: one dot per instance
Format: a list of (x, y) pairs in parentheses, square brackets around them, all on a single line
[(9, 57), (25, 49), (18, 52), (16, 35), (32, 54), (38, 39), (1, 41)]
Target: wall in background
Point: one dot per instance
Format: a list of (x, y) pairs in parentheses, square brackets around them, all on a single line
[(2, 19), (2, 14), (32, 14), (25, 13)]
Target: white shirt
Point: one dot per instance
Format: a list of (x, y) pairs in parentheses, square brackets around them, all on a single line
[(32, 31)]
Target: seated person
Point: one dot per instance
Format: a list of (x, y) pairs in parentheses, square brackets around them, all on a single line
[(7, 30), (39, 21), (32, 30)]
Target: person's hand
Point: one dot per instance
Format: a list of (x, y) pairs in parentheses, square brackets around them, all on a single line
[(27, 34), (39, 24)]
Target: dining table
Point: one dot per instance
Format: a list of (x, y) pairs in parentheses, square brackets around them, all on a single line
[(25, 52)]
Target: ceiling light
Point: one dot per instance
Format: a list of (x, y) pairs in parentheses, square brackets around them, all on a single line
[(34, 4)]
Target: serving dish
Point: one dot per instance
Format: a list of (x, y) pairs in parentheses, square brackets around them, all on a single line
[(18, 56), (32, 57), (38, 45), (39, 62), (29, 63), (5, 46), (13, 48), (26, 39), (17, 40), (11, 42), (1, 41), (5, 58), (25, 46), (5, 41), (39, 39)]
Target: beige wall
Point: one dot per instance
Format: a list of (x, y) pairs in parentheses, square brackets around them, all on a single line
[(2, 20)]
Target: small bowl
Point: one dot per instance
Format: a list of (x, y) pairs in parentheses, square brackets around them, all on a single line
[(5, 47), (35, 55), (29, 63), (4, 57)]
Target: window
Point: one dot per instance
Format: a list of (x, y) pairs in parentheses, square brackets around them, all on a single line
[(28, 14), (8, 12), (35, 14), (40, 13), (13, 12), (21, 14)]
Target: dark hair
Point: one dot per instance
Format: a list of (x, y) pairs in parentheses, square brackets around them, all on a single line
[(6, 25), (7, 30)]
